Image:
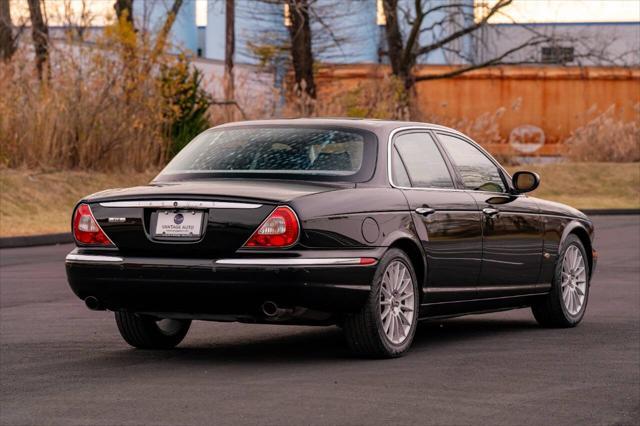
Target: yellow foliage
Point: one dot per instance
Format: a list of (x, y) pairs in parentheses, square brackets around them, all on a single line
[(103, 108)]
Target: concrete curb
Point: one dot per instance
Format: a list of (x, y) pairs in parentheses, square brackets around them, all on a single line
[(64, 238), (36, 240), (611, 212)]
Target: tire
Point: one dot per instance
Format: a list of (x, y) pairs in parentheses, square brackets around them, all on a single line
[(556, 310), (146, 332), (368, 331)]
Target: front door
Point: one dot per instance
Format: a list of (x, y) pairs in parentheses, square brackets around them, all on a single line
[(446, 219), (512, 227)]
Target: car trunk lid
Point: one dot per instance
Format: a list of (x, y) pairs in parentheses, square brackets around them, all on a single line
[(228, 212)]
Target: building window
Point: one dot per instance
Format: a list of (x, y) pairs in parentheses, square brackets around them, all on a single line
[(381, 18), (557, 55), (287, 15)]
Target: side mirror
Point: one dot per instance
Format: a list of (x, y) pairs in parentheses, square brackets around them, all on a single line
[(525, 181)]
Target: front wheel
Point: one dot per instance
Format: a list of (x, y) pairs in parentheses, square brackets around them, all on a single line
[(146, 332), (566, 303), (386, 325)]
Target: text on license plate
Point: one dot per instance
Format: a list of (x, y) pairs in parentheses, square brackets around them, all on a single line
[(179, 223)]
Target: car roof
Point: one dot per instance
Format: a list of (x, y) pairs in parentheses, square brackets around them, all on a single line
[(371, 124)]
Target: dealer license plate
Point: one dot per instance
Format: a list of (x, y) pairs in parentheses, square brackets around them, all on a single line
[(179, 223)]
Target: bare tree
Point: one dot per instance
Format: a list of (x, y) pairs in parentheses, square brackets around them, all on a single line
[(312, 29), (75, 24), (124, 10), (229, 49), (7, 38), (301, 49), (163, 34), (445, 26), (40, 35)]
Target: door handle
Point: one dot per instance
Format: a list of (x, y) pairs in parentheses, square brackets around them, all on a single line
[(490, 212), (425, 211)]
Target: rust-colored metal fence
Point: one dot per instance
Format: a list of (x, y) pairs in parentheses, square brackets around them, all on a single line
[(551, 99)]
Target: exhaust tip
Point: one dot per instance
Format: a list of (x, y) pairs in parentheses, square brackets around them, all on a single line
[(93, 303), (270, 309)]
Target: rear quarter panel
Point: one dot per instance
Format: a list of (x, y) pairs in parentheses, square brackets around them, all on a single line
[(354, 218)]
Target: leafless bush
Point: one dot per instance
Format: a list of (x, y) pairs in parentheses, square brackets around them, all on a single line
[(606, 137), (369, 99), (101, 109)]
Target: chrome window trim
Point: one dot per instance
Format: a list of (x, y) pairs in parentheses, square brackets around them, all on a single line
[(188, 204), (407, 171), (389, 149), (482, 151), (291, 261), (437, 129), (88, 258)]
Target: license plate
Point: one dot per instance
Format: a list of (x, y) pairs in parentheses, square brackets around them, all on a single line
[(179, 223)]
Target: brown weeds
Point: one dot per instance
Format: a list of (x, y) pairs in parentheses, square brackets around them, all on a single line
[(606, 137), (101, 110)]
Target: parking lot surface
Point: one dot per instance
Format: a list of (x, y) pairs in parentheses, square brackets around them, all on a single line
[(62, 364)]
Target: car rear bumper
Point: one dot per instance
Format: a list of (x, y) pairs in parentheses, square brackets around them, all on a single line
[(321, 281)]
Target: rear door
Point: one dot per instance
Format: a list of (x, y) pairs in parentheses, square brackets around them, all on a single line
[(447, 220), (512, 227)]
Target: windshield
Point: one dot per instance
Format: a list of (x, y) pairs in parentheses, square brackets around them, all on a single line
[(287, 152)]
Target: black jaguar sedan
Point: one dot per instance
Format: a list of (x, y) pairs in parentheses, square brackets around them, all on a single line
[(370, 225)]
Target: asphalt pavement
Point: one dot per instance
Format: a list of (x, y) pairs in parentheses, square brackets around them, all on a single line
[(65, 365)]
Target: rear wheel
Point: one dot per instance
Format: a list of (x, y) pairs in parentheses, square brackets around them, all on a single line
[(146, 332), (386, 325), (566, 303)]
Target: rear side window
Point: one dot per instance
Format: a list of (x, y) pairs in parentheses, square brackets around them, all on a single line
[(423, 164), (400, 176), (477, 171)]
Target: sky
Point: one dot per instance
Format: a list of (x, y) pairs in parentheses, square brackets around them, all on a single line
[(531, 11), (521, 10)]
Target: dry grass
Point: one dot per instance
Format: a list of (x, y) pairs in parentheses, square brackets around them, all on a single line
[(606, 138), (102, 108), (37, 203), (589, 185)]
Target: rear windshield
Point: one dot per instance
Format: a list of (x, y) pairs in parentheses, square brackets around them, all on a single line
[(276, 152)]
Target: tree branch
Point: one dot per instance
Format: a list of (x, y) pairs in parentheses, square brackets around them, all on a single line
[(163, 34), (334, 38), (408, 56), (499, 60), (467, 30)]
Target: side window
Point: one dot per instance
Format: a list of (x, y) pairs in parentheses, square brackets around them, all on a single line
[(400, 176), (424, 165), (477, 171)]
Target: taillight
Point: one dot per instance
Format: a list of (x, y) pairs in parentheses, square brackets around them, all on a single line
[(86, 229), (280, 229)]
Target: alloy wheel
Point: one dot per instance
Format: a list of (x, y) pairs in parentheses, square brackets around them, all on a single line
[(168, 326), (397, 302), (574, 280)]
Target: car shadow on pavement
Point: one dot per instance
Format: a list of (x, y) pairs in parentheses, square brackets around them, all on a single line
[(436, 334), (328, 343)]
